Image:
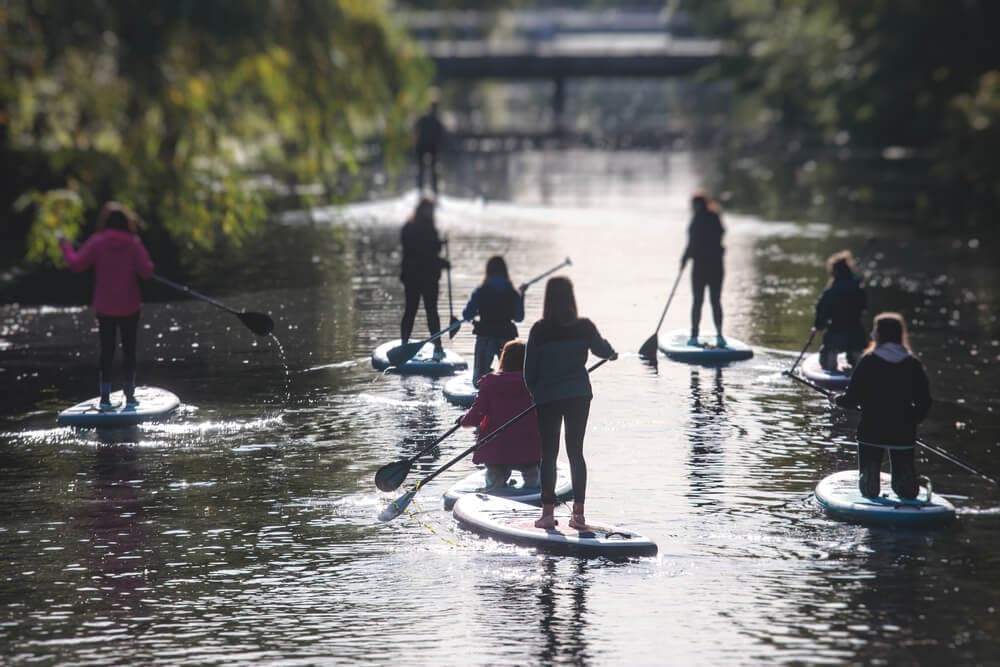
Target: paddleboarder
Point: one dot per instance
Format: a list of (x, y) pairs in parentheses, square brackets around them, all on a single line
[(838, 311), (502, 395), (890, 387), (555, 370), (705, 250), (498, 306), (421, 272), (430, 135), (119, 259)]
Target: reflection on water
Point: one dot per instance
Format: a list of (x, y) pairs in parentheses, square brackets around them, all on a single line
[(244, 530)]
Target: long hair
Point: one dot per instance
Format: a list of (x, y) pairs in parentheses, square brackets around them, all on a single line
[(423, 214), (512, 355), (114, 215), (839, 265), (496, 267), (889, 328), (560, 304)]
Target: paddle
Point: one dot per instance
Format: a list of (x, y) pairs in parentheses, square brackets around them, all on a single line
[(931, 448), (451, 308), (651, 346), (812, 335), (399, 505), (565, 262), (259, 323), (400, 354), (391, 475)]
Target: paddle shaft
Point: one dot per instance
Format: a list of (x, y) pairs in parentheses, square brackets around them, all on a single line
[(433, 444), (188, 290), (482, 441), (670, 298), (812, 334), (565, 262), (447, 259), (931, 448)]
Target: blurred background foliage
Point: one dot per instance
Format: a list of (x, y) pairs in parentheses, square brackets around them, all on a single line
[(825, 85), (197, 113)]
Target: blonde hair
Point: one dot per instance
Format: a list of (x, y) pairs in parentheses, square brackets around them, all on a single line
[(512, 355)]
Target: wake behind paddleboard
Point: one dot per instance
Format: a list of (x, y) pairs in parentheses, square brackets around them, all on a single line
[(811, 370), (460, 390), (839, 495), (509, 521), (515, 488), (422, 362), (674, 345), (154, 403)]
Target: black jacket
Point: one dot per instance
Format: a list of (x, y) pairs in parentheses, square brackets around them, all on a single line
[(705, 239), (498, 305), (893, 396), (555, 359), (839, 312), (421, 246)]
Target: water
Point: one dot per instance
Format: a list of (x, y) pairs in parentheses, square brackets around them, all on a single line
[(245, 530)]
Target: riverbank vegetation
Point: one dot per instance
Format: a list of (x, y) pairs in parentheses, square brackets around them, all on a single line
[(196, 114), (883, 109)]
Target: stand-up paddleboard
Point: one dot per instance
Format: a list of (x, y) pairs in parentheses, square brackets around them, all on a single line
[(674, 345), (515, 488), (811, 370), (509, 521), (154, 403), (839, 495), (460, 390), (422, 362)]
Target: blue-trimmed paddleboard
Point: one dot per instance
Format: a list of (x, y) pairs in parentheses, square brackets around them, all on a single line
[(154, 403), (839, 495), (507, 520), (460, 390), (515, 489), (674, 345), (811, 370), (422, 362)]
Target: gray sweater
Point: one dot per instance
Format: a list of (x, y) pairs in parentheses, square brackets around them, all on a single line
[(555, 360)]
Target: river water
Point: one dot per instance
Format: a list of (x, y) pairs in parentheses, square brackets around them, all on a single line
[(244, 530)]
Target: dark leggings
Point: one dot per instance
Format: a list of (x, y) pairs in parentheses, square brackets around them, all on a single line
[(109, 326), (414, 292), (702, 277), (904, 473), (422, 158), (574, 412)]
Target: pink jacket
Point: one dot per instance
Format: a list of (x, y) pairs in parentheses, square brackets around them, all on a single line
[(502, 396), (117, 257)]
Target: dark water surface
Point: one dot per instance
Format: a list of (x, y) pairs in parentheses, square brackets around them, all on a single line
[(245, 530)]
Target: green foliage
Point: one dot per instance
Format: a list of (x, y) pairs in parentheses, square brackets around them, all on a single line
[(58, 213), (193, 102)]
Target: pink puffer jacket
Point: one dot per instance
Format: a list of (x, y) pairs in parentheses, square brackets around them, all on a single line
[(502, 396), (118, 258)]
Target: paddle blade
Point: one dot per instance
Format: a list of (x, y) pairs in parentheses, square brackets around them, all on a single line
[(391, 475), (457, 324), (259, 323), (400, 354), (396, 507), (649, 349)]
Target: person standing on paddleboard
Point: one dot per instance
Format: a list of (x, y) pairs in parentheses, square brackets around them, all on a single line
[(119, 259), (839, 312), (421, 272), (890, 387), (705, 250), (498, 305), (555, 371), (502, 395)]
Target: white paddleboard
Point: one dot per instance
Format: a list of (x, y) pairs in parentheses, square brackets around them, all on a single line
[(811, 370), (515, 488), (674, 345), (506, 520), (460, 390), (839, 495), (154, 403), (422, 362)]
